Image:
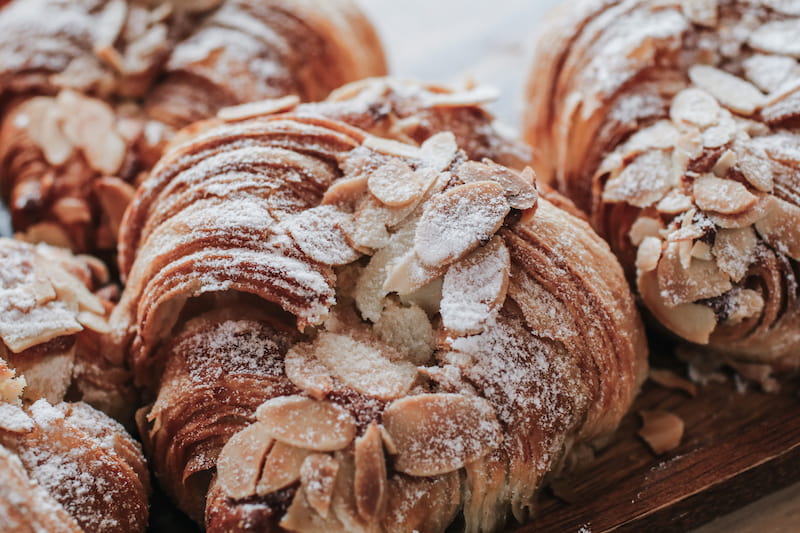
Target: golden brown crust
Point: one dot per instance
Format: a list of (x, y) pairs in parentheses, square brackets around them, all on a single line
[(673, 125), (90, 96)]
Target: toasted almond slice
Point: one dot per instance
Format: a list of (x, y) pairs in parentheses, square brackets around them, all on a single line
[(471, 98), (346, 190), (721, 195), (784, 105), (780, 226), (318, 477), (439, 150), (307, 423), (368, 230), (769, 72), (307, 372), (777, 37), (674, 202), (363, 367), (724, 163), (408, 274), (13, 419), (318, 233), (785, 151), (440, 433), (743, 304), (110, 22), (114, 196), (370, 481), (408, 330), (94, 322), (701, 250), (258, 109), (475, 287), (45, 130), (643, 182), (721, 133), (281, 468), (89, 125), (71, 289), (70, 210), (648, 254), (735, 250), (680, 284), (240, 461), (671, 380), (693, 322), (756, 167), (389, 147), (701, 12), (662, 431), (644, 227), (395, 184), (694, 106), (456, 222), (734, 93), (520, 191)]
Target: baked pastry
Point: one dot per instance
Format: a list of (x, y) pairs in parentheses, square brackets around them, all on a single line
[(342, 332), (90, 93), (675, 125)]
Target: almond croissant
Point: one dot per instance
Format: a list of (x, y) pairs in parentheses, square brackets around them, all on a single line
[(342, 332), (675, 125), (91, 92)]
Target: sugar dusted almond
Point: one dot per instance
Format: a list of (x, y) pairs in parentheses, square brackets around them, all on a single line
[(45, 129), (389, 147), (94, 322), (475, 287), (370, 480), (408, 330), (743, 303), (456, 222), (698, 281), (409, 274), (307, 423), (239, 463), (317, 479), (12, 418), (693, 322), (520, 191), (362, 366), (368, 230), (258, 109), (721, 195), (735, 250), (394, 183), (662, 431), (345, 190), (318, 233), (733, 92), (648, 254), (643, 182), (307, 372), (701, 12), (785, 150), (720, 133), (784, 106), (438, 151), (724, 163), (701, 250), (755, 167), (474, 97), (777, 37), (694, 106), (644, 227), (769, 72), (440, 433), (281, 468), (780, 226), (674, 202)]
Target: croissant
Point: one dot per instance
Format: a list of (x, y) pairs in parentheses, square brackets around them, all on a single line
[(674, 125), (91, 93), (343, 332)]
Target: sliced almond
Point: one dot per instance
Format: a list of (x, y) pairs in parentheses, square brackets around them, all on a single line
[(395, 184), (692, 322), (318, 233), (777, 37), (743, 304), (370, 482), (733, 92), (755, 167), (671, 380), (722, 196), (674, 202), (346, 190), (90, 125), (643, 182), (368, 230), (408, 274), (780, 226), (783, 107), (648, 254), (362, 366), (44, 127), (735, 250), (70, 210), (307, 372), (94, 322), (318, 478), (439, 150), (662, 431), (701, 250), (408, 330), (456, 222), (721, 133), (724, 163), (475, 287), (644, 227), (474, 97), (281, 468), (114, 196), (240, 461), (307, 423), (769, 72), (258, 109), (390, 147), (701, 12), (679, 284), (694, 106), (519, 191), (440, 433)]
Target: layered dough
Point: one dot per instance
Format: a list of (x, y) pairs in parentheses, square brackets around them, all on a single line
[(674, 125), (345, 332), (91, 92)]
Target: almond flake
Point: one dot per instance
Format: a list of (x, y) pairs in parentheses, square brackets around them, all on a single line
[(438, 151), (648, 254), (721, 133), (114, 196), (44, 127), (722, 196), (281, 468), (456, 222), (734, 93), (724, 163), (475, 288), (389, 147), (370, 482), (743, 304), (473, 98), (769, 72), (662, 431), (394, 183), (680, 284), (701, 12), (408, 274), (239, 463), (644, 227), (701, 250), (94, 322), (317, 478), (307, 423), (755, 167), (643, 182), (694, 106), (674, 202), (307, 372), (258, 109), (735, 250), (440, 433), (777, 37), (693, 322), (519, 191), (368, 229), (671, 380), (70, 210), (346, 190), (783, 109), (408, 330), (780, 226), (318, 233)]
